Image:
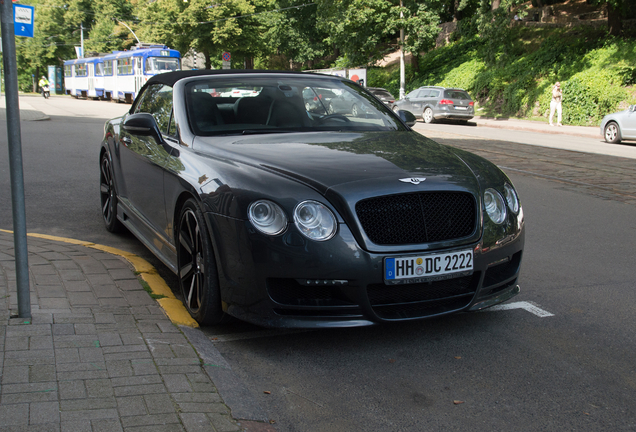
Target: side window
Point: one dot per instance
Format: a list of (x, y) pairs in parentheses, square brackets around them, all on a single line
[(413, 94), (157, 100), (434, 93), (424, 93)]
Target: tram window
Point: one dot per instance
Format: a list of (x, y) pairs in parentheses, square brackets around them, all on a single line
[(108, 67), (99, 69), (80, 70), (157, 100), (156, 65), (68, 71), (124, 66)]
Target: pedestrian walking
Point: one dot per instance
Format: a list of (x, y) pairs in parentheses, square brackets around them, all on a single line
[(555, 103)]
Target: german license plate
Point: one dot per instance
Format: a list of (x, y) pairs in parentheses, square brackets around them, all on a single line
[(461, 108), (428, 267)]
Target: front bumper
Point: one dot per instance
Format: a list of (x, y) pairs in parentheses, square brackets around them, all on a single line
[(289, 281)]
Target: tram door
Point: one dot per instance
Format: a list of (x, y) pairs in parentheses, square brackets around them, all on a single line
[(139, 78), (91, 79)]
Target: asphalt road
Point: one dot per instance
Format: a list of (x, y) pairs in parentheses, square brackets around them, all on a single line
[(561, 358)]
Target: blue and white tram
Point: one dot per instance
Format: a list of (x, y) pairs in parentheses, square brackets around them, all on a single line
[(119, 75)]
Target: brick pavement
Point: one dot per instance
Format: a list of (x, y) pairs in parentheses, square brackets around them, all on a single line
[(99, 354)]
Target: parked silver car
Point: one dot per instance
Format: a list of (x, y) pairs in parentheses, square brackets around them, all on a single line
[(434, 103), (619, 126)]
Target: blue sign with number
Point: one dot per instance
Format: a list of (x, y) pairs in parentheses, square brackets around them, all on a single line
[(23, 20)]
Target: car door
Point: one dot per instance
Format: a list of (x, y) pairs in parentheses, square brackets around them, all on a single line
[(417, 102), (406, 104), (143, 161), (629, 123)]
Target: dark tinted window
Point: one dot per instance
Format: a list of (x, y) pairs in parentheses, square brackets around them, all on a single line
[(456, 94)]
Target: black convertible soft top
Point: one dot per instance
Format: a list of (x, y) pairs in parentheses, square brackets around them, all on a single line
[(169, 78)]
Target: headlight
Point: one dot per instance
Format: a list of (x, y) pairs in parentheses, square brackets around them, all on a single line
[(315, 221), (267, 217), (495, 206), (511, 198)]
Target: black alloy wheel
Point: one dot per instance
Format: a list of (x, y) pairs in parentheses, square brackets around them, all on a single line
[(196, 267), (107, 195)]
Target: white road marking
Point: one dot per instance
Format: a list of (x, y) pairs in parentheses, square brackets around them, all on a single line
[(530, 307)]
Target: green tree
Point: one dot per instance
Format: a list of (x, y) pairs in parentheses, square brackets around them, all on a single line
[(293, 36)]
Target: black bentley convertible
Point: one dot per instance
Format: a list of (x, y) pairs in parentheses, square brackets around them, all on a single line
[(288, 217)]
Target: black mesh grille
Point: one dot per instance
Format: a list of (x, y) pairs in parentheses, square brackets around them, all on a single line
[(423, 299), (417, 217)]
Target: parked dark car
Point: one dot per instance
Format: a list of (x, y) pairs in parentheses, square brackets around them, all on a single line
[(317, 101), (384, 95), (346, 103), (434, 103), (282, 217), (619, 126)]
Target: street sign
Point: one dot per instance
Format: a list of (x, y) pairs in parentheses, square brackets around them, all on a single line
[(226, 56), (23, 20)]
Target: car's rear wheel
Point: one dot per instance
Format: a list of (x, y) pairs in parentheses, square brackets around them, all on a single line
[(427, 115), (612, 133), (107, 195), (196, 267)]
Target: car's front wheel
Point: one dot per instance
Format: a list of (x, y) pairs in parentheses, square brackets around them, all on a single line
[(427, 115), (612, 133), (198, 277), (108, 197)]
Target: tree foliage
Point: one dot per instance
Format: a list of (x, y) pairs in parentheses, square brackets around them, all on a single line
[(282, 34)]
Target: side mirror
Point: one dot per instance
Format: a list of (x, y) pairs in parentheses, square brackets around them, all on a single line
[(407, 117), (143, 124), (632, 108)]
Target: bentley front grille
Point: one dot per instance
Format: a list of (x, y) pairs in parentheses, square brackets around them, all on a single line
[(417, 217)]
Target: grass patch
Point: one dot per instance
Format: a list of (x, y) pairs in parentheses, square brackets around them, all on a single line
[(147, 288)]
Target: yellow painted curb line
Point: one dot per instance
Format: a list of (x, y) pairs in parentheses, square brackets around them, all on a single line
[(173, 307)]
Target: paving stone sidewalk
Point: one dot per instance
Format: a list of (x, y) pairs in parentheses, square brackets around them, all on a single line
[(98, 354)]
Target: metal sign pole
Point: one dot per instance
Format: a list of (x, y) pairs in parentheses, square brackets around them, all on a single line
[(15, 159)]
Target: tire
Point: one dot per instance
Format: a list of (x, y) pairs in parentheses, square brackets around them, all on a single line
[(427, 115), (355, 111), (196, 267), (612, 133), (108, 196)]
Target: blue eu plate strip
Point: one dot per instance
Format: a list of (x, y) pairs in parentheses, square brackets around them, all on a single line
[(389, 268)]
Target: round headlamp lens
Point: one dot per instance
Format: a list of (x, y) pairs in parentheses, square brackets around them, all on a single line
[(267, 217), (495, 206), (511, 198), (315, 221)]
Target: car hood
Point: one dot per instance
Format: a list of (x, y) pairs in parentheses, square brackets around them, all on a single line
[(326, 160)]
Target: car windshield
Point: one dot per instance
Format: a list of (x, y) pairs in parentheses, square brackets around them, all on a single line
[(243, 104), (155, 65), (456, 94)]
